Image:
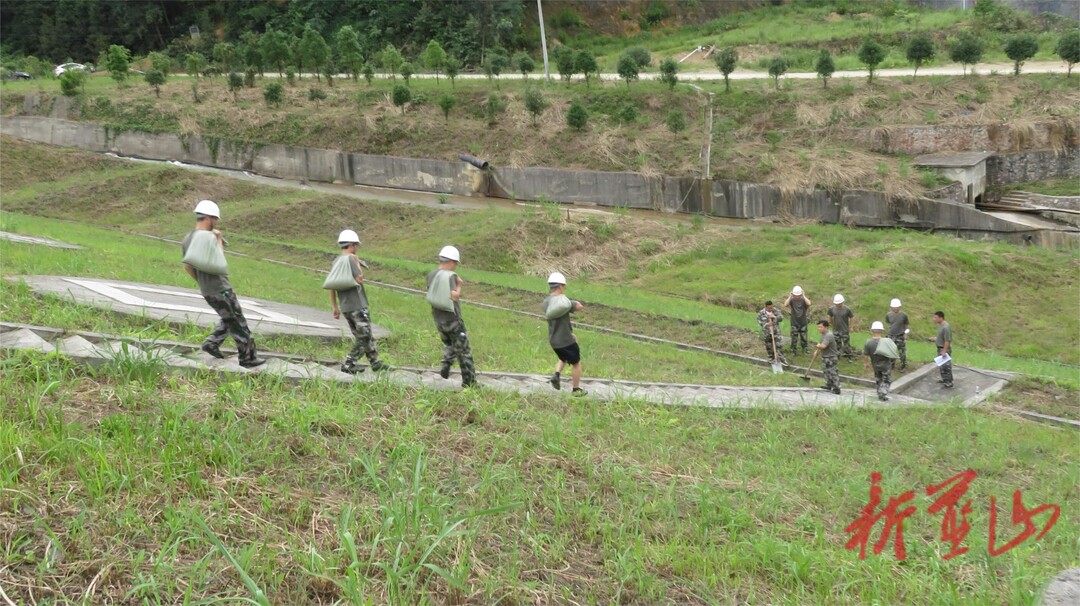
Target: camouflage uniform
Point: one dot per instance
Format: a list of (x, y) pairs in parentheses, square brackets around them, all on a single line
[(771, 334), (232, 323), (360, 325), (882, 368), (841, 317), (455, 340), (800, 317), (456, 346), (944, 333), (898, 322), (831, 359)]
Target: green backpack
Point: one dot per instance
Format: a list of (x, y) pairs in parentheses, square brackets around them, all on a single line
[(205, 255), (341, 275)]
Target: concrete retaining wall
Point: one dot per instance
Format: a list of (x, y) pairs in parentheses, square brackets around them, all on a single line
[(928, 139), (1023, 167), (633, 190)]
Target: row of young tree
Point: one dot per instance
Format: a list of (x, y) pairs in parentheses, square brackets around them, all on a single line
[(966, 49)]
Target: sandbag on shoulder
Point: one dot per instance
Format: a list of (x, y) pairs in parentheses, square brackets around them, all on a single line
[(559, 306), (341, 274), (205, 255), (438, 294)]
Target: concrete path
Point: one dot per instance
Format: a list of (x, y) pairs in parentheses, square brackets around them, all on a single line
[(181, 305), (94, 348), (22, 239)]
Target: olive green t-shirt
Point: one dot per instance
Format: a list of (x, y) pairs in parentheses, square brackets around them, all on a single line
[(440, 315), (353, 299), (830, 351), (840, 317), (880, 363), (560, 330), (944, 333), (898, 321)]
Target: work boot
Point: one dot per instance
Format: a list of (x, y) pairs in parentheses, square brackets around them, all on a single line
[(579, 392), (380, 366), (883, 398), (836, 390), (948, 385), (252, 363), (444, 370), (826, 388), (351, 368), (213, 350), (903, 367), (556, 381), (470, 384)]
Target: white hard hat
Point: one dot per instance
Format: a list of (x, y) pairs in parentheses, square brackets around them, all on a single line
[(838, 299), (797, 291), (557, 278), (894, 303), (877, 326), (209, 208), (348, 236), (449, 252)]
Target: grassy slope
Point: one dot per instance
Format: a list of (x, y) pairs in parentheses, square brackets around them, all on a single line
[(715, 269), (608, 503)]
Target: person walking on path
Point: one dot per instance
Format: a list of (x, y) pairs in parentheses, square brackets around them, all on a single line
[(799, 304), (830, 356), (444, 294), (203, 251), (880, 352), (943, 341), (898, 330), (843, 322), (557, 309), (354, 306), (770, 318)]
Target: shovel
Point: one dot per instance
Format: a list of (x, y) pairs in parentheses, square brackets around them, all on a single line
[(777, 367), (806, 375)]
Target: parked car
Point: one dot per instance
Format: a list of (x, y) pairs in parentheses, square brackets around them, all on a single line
[(63, 67)]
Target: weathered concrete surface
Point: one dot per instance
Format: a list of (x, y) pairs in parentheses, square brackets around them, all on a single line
[(23, 239), (675, 194), (174, 304), (1000, 137), (1027, 166), (1064, 590), (970, 386)]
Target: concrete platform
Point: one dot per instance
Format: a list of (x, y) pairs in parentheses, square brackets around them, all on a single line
[(970, 386), (180, 305), (24, 239)]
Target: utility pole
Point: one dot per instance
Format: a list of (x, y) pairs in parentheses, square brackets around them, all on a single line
[(543, 40)]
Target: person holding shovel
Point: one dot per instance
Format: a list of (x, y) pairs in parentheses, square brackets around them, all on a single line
[(770, 318)]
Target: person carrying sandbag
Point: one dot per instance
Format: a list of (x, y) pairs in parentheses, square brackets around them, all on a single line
[(557, 309), (444, 294), (881, 353), (204, 261), (346, 284)]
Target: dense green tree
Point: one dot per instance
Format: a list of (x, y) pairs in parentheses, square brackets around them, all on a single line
[(251, 52), (1020, 48), (434, 58), (407, 70), (726, 59), (274, 47), (871, 54), (627, 69), (235, 82), (273, 93), (825, 67), (966, 49), (1068, 48), (920, 49), (118, 62), (446, 103), (314, 50), (369, 73), (641, 56), (160, 62), (71, 82), (525, 64), (586, 65), (565, 61), (390, 59), (400, 96), (155, 78), (535, 103), (493, 107), (315, 95), (350, 53), (452, 67), (195, 63), (777, 67), (225, 56), (675, 121), (577, 117), (496, 63), (669, 70)]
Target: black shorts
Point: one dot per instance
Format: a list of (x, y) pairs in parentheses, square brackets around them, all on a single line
[(570, 354)]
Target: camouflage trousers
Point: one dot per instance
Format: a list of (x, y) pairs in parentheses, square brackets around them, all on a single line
[(945, 369), (798, 337), (456, 347), (843, 343), (232, 323), (883, 381), (360, 325), (901, 347), (832, 376), (778, 354)]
